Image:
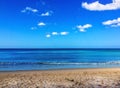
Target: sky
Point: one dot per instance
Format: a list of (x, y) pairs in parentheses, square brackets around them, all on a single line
[(59, 23)]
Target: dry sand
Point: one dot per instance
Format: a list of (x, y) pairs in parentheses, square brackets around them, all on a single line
[(74, 78)]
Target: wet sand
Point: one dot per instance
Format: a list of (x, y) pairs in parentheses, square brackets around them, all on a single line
[(74, 78)]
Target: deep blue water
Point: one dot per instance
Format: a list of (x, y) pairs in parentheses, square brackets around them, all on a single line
[(31, 59)]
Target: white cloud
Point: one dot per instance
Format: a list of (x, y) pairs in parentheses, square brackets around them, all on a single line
[(64, 33), (46, 14), (54, 33), (82, 28), (60, 33), (112, 23), (41, 24), (48, 35), (33, 28), (29, 9), (97, 6)]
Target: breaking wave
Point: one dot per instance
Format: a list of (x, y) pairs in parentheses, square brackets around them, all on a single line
[(61, 63)]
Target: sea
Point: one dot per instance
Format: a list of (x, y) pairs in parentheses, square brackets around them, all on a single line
[(54, 59)]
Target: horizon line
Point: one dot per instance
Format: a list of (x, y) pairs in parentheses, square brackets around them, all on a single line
[(54, 48)]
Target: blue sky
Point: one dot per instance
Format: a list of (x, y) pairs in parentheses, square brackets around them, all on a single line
[(59, 24)]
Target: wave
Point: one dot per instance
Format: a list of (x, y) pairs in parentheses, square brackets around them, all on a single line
[(15, 63), (88, 63), (61, 63)]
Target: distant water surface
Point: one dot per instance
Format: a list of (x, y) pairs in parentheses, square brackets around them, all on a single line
[(33, 59)]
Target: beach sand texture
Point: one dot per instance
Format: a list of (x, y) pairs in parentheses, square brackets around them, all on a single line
[(74, 78)]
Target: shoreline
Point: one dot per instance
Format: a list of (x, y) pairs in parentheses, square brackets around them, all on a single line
[(64, 69)]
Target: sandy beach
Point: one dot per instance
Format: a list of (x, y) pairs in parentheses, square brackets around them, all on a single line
[(74, 78)]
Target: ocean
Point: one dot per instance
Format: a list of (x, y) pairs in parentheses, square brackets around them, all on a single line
[(50, 59)]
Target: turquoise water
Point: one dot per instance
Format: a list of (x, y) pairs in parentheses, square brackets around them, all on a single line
[(34, 59)]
